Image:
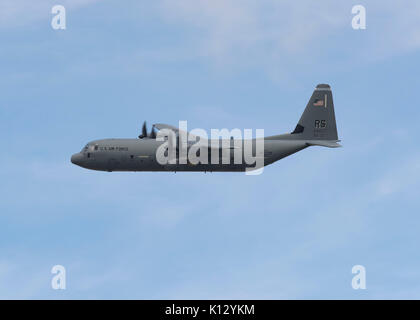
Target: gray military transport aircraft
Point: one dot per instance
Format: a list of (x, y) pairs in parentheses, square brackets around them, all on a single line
[(316, 127)]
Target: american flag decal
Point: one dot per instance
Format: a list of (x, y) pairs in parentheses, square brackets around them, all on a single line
[(318, 103), (321, 102)]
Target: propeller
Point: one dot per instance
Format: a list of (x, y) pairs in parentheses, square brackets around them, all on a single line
[(153, 133), (144, 134), (143, 131)]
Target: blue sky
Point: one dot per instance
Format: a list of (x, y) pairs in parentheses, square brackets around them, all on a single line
[(295, 231)]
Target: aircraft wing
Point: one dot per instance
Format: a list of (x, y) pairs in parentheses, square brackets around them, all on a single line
[(161, 126)]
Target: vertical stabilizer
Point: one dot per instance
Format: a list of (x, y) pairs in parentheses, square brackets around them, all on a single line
[(318, 120)]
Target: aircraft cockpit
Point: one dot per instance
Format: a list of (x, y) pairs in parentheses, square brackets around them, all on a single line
[(88, 149)]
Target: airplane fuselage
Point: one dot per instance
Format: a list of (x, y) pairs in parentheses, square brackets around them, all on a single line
[(140, 155)]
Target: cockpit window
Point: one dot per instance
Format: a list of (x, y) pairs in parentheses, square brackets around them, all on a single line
[(85, 148), (90, 148)]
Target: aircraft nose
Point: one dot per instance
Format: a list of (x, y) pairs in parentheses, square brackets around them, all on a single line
[(76, 159)]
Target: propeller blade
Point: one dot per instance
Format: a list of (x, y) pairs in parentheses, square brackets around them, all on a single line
[(153, 133), (143, 131)]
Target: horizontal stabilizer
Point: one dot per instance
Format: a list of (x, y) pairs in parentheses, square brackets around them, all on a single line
[(324, 143)]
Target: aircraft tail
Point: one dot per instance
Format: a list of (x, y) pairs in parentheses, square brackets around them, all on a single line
[(317, 122)]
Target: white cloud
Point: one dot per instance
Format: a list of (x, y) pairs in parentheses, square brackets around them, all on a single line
[(277, 37), (267, 32), (232, 32), (231, 29)]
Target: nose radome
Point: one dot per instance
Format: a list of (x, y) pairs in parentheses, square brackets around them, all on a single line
[(76, 158)]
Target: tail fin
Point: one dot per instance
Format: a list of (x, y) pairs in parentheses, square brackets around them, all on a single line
[(318, 120)]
